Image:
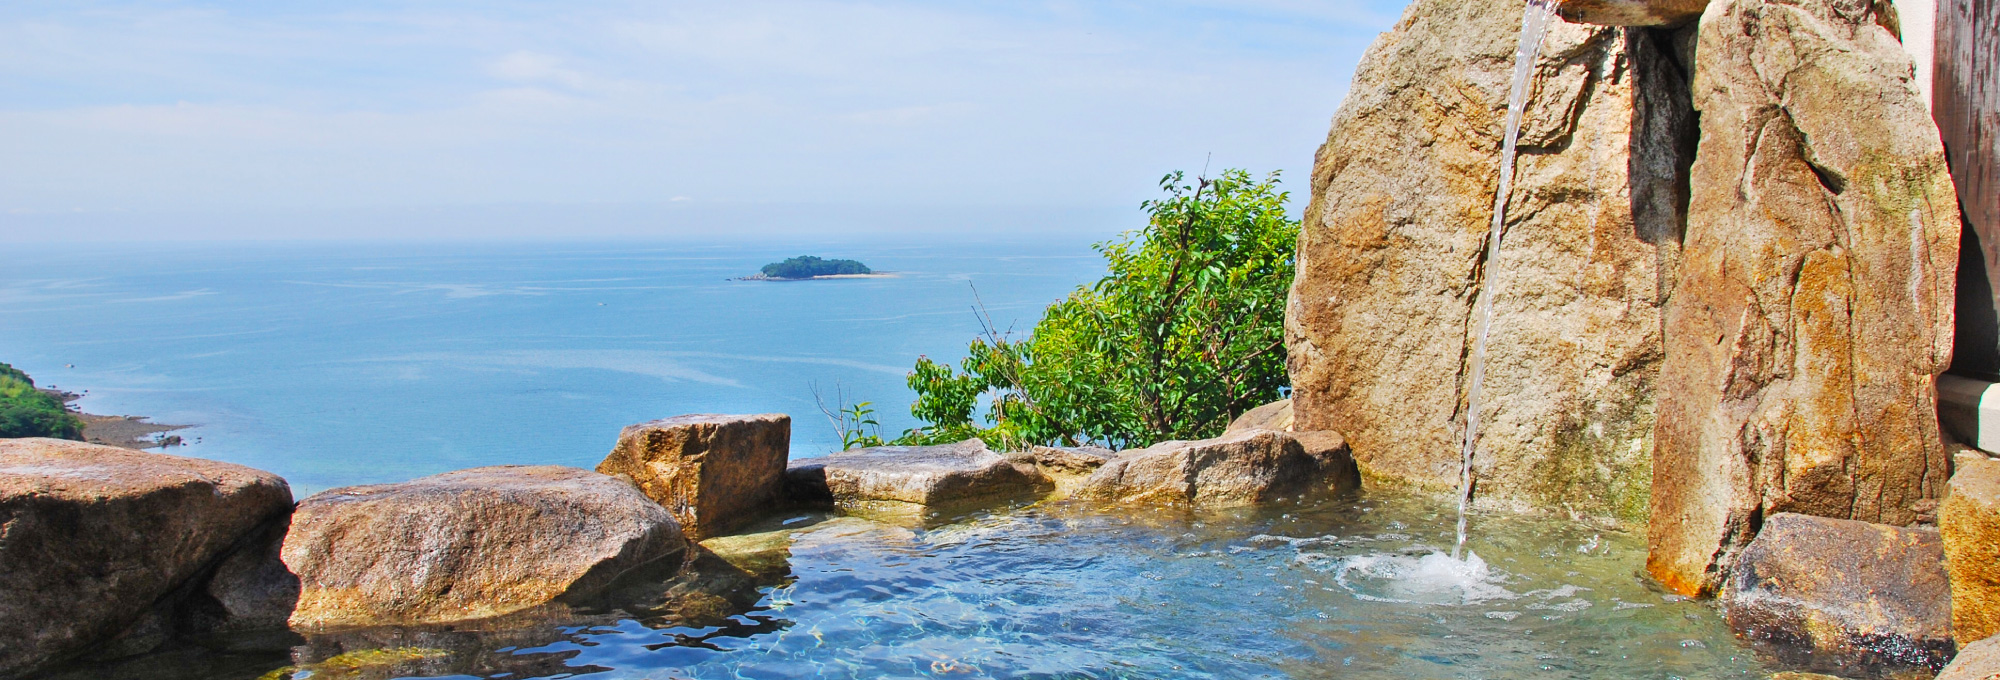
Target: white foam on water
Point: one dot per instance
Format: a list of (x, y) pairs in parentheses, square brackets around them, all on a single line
[(1432, 578)]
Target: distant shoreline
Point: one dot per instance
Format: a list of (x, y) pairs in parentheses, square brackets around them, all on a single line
[(128, 432), (828, 277)]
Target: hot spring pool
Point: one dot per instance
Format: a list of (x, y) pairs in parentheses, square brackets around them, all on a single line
[(1352, 589)]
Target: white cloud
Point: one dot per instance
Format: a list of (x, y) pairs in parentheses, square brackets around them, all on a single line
[(149, 107)]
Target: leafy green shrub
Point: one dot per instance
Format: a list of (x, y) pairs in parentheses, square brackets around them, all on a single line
[(28, 412), (1185, 333), (808, 266)]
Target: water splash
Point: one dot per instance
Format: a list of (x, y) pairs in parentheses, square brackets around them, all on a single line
[(1431, 578), (1535, 24)]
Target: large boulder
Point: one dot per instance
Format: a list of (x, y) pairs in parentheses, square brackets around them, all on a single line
[(1857, 595), (1248, 467), (1632, 12), (471, 544), (1379, 325), (1814, 304), (714, 472), (1977, 661), (1970, 523), (918, 477), (92, 538)]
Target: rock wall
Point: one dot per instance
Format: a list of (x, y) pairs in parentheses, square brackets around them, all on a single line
[(1814, 304), (1379, 324)]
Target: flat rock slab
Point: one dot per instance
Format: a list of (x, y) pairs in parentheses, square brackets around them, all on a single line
[(1977, 661), (1632, 12), (1970, 524), (714, 472), (92, 537), (1073, 460), (1863, 597), (1248, 467), (946, 476), (1276, 415), (471, 544)]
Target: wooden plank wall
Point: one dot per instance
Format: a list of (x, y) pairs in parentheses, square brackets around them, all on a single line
[(1967, 107), (1965, 100)]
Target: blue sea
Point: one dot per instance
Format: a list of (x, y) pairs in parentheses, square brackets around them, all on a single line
[(338, 364)]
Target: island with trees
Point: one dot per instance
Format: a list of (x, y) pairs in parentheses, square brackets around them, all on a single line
[(808, 267)]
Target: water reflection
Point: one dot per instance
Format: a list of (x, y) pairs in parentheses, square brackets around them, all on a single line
[(1349, 589)]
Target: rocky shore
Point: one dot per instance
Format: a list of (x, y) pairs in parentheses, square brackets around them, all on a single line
[(179, 548), (130, 432)]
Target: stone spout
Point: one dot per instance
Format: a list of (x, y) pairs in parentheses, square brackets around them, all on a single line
[(1632, 12)]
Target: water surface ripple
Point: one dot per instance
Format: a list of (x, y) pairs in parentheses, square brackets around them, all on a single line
[(1345, 589)]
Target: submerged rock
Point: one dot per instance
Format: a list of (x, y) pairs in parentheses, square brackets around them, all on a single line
[(470, 544), (1977, 661), (944, 476), (1276, 415), (714, 472), (1858, 595), (1391, 254), (94, 538), (1814, 305), (1970, 524), (1632, 12), (1249, 467)]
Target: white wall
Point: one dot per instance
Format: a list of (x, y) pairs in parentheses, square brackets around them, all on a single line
[(1919, 21)]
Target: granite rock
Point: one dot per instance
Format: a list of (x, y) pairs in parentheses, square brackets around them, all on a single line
[(1970, 524), (1248, 467), (714, 472), (1861, 597), (1379, 324), (1276, 415), (1977, 661), (94, 538), (1814, 305), (943, 476), (467, 545)]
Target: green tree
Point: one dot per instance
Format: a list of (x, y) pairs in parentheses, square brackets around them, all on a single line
[(808, 266), (28, 412), (1183, 334)]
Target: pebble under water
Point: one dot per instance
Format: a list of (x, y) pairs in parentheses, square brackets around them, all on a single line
[(1356, 588)]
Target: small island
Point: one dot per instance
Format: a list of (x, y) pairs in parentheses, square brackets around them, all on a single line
[(809, 267)]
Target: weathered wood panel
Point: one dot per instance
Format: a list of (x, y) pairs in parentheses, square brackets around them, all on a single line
[(1967, 108)]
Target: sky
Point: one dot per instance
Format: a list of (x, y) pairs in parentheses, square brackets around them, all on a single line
[(314, 119)]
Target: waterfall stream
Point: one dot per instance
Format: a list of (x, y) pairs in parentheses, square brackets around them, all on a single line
[(1535, 24)]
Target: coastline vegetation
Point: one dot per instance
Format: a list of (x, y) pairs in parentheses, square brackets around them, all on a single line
[(1184, 333), (809, 266), (29, 412)]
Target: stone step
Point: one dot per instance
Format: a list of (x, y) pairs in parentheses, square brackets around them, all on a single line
[(1970, 410)]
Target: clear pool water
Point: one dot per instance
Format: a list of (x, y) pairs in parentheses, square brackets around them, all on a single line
[(1347, 589)]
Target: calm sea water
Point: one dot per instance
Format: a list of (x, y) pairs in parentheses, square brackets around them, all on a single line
[(350, 364)]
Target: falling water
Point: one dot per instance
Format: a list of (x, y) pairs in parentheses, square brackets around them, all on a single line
[(1534, 27)]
